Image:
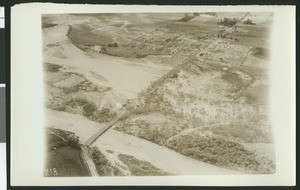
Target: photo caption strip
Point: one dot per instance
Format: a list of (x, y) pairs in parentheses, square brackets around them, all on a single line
[(2, 103)]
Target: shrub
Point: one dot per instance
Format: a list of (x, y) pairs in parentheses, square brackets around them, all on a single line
[(103, 166), (139, 167), (220, 152), (70, 137), (52, 68), (228, 22), (104, 115), (81, 106), (89, 109)]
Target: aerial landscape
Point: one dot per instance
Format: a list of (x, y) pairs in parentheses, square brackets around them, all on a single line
[(157, 94)]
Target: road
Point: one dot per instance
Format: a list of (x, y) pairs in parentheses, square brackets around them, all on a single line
[(195, 52), (89, 161), (93, 138), (100, 132), (240, 19)]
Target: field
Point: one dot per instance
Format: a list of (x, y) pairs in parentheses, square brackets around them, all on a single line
[(194, 87)]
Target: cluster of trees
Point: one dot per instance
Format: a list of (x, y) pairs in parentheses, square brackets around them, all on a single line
[(206, 13), (52, 68), (244, 133), (228, 22), (58, 104), (76, 106), (186, 18), (140, 167), (156, 134), (103, 166), (70, 137), (112, 45), (220, 152), (70, 89), (48, 24), (232, 78), (153, 101), (102, 116), (89, 109), (248, 21)]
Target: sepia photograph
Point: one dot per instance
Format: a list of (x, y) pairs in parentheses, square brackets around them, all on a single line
[(152, 95)]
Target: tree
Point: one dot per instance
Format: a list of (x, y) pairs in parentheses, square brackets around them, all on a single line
[(89, 109)]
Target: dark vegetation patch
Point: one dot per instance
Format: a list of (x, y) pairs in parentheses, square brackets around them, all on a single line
[(232, 78), (158, 134), (69, 137), (189, 27), (186, 18), (228, 22), (152, 101), (140, 167), (52, 68), (89, 109), (85, 39), (220, 152), (84, 35), (63, 157), (90, 38), (242, 133), (103, 166), (46, 23), (249, 22), (129, 52)]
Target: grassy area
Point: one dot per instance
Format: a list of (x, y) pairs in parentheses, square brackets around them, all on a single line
[(86, 38), (186, 18), (84, 35)]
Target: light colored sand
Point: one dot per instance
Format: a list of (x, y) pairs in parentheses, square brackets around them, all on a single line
[(121, 143), (125, 77)]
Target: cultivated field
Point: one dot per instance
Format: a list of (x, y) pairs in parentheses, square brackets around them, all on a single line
[(194, 88)]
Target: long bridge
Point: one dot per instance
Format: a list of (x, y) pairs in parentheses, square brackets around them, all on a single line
[(108, 125), (196, 53)]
